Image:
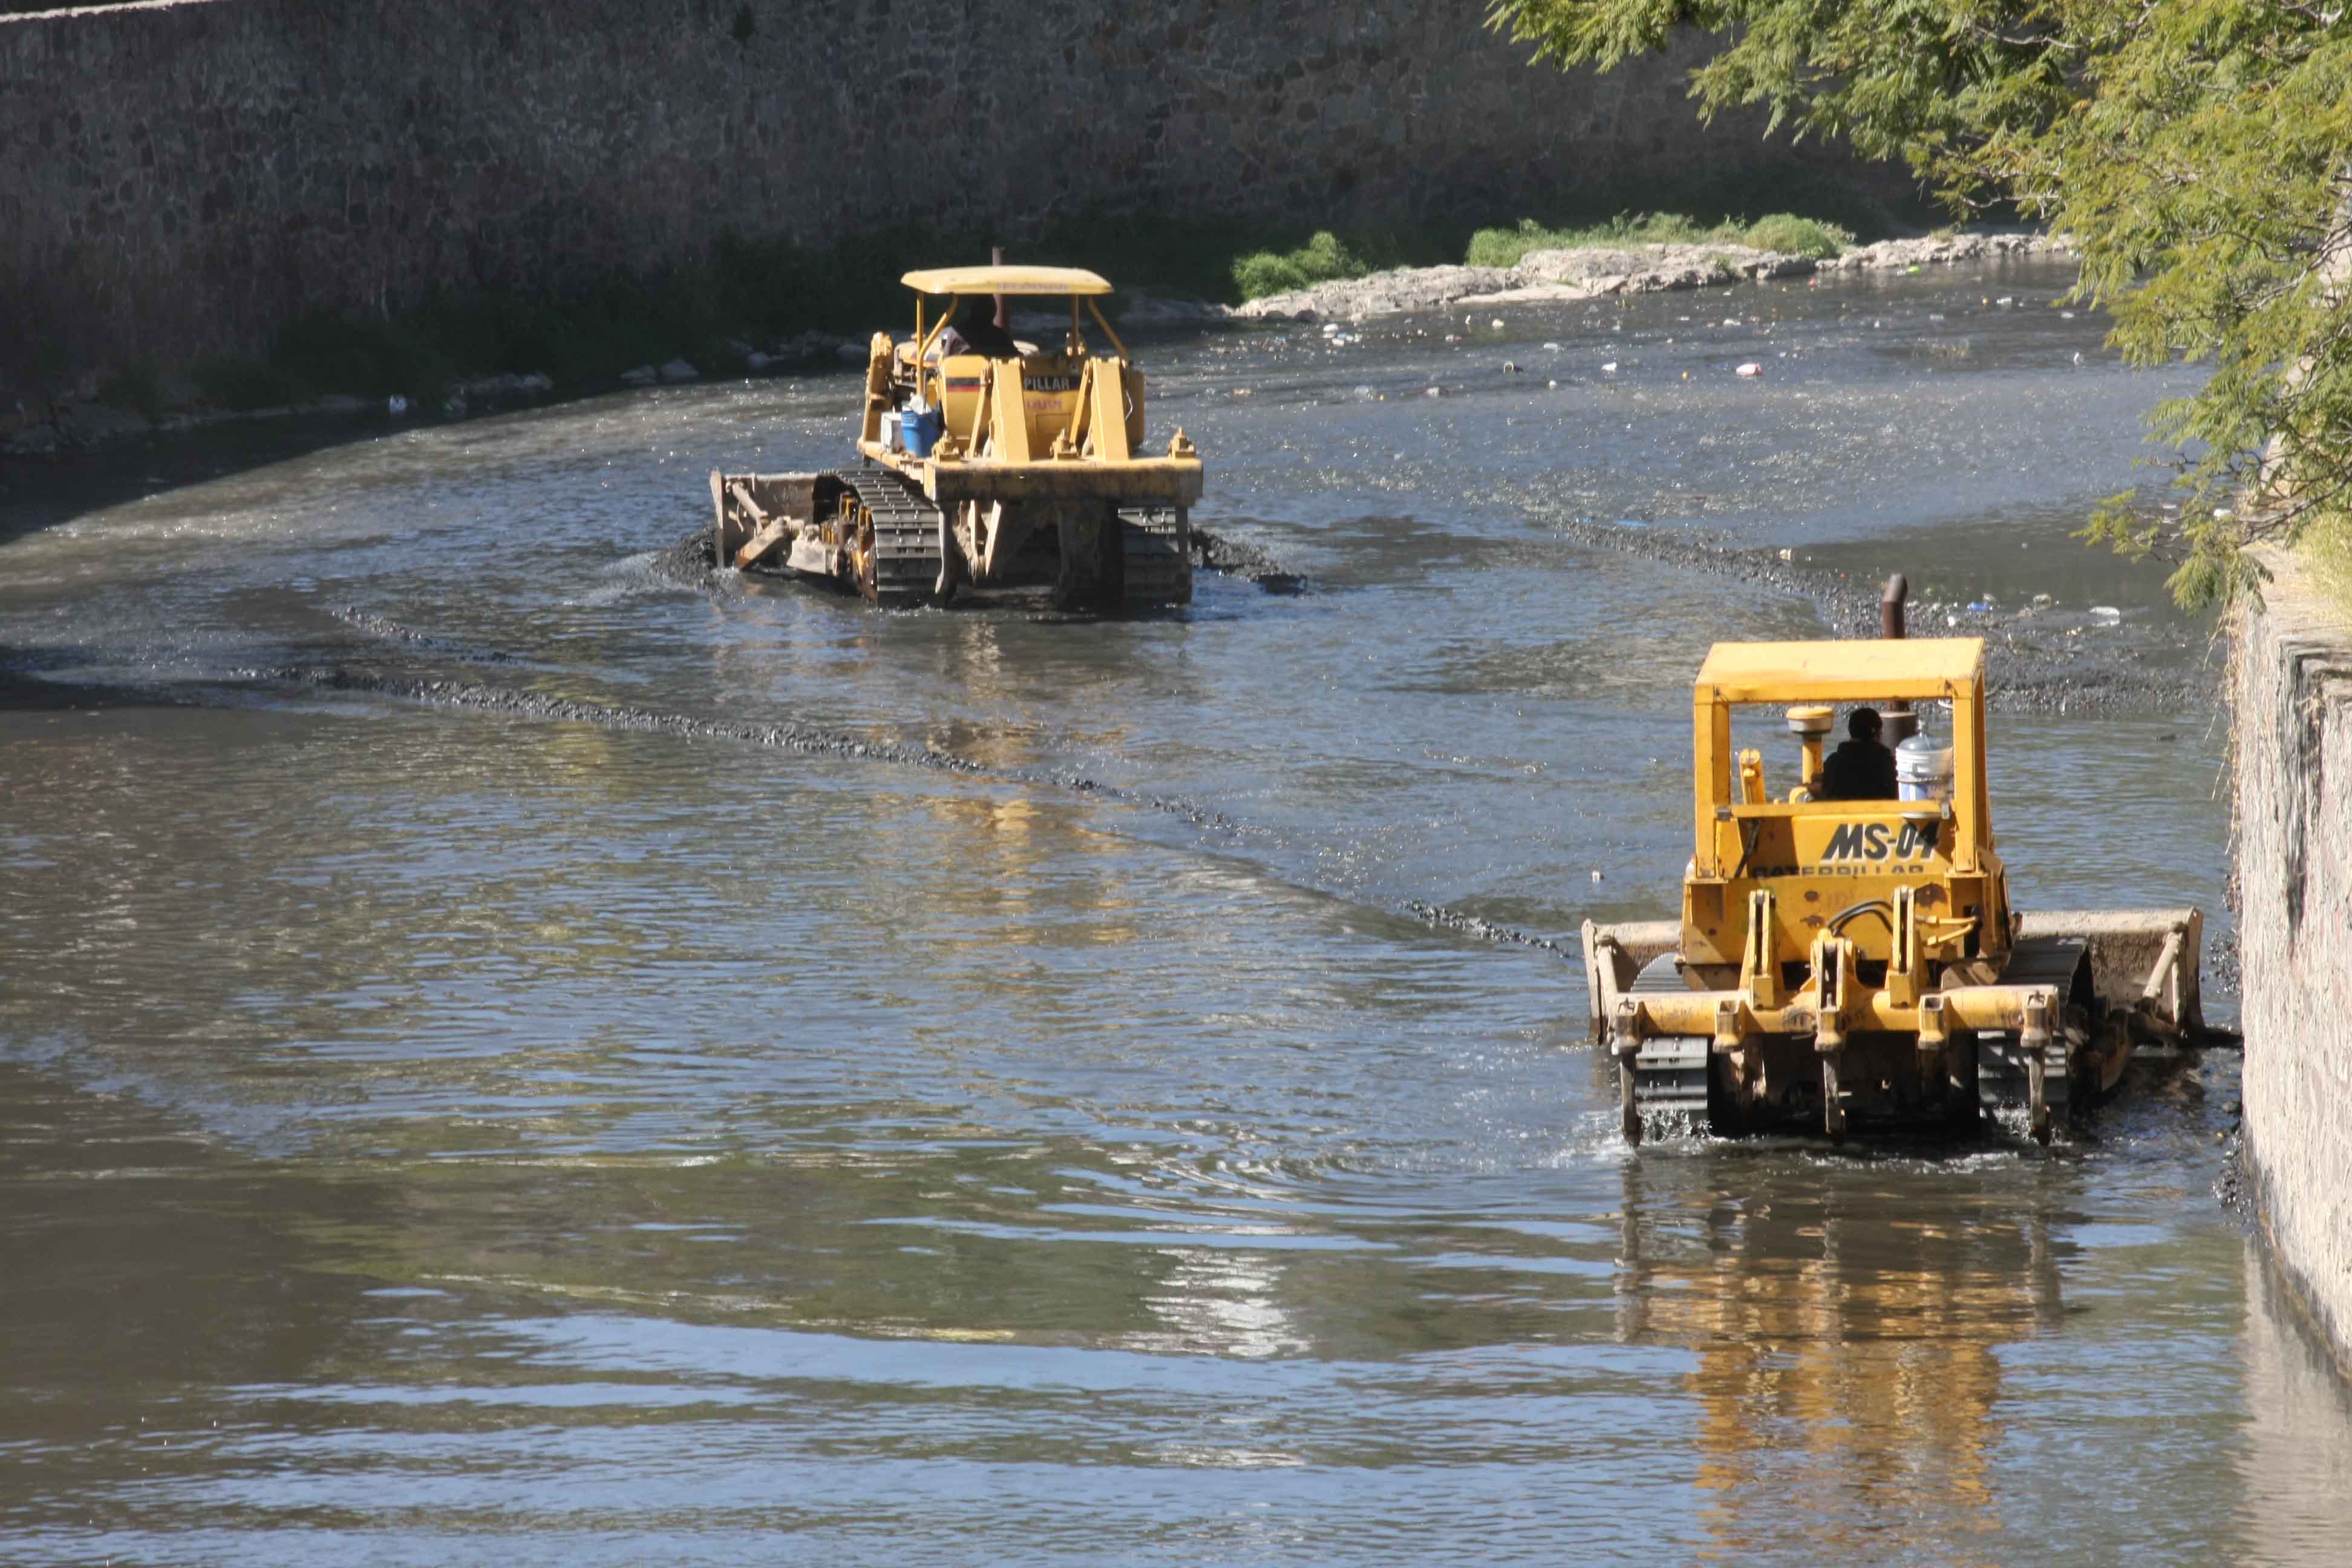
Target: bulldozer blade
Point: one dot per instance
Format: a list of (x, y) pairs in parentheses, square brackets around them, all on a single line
[(754, 513), (2145, 964), (1614, 955)]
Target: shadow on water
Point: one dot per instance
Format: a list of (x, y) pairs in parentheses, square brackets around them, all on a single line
[(150, 1276), (42, 492), (23, 691)]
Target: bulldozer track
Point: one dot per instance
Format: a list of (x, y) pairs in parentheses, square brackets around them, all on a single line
[(2003, 1073), (1670, 1072), (903, 568), (1156, 556)]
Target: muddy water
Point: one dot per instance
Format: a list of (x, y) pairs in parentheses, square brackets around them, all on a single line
[(607, 1117)]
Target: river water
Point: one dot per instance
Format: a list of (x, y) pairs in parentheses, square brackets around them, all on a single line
[(468, 1129)]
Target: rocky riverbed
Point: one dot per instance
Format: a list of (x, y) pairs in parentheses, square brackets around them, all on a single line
[(1561, 276)]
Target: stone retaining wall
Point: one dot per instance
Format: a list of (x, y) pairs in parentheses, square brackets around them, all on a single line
[(2292, 696), (182, 175)]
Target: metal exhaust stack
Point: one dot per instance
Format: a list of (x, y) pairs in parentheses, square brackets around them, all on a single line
[(1902, 723)]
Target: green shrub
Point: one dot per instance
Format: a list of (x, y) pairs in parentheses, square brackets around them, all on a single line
[(139, 389), (1324, 258), (1784, 232), (1794, 236), (245, 384)]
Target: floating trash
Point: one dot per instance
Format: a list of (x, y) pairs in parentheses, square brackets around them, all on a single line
[(2106, 616), (1609, 368), (1750, 368)]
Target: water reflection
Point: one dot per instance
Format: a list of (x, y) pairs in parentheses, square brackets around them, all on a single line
[(1847, 1335), (2295, 1463)]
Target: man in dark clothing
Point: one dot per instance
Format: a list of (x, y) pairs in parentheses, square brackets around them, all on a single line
[(1862, 768), (975, 332)]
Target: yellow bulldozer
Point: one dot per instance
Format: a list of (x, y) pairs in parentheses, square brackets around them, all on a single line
[(1844, 958), (989, 462)]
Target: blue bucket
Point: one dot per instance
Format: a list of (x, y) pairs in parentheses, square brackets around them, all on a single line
[(920, 430)]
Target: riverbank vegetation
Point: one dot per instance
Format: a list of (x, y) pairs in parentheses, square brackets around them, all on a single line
[(1784, 232), (750, 301), (2194, 150), (763, 296), (1327, 257), (746, 294)]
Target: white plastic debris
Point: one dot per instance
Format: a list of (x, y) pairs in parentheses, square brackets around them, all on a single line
[(1750, 368), (2106, 616), (1609, 368), (395, 405)]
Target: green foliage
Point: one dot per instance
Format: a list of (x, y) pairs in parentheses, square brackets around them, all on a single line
[(245, 383), (2200, 152), (1784, 232), (139, 389), (1793, 235), (1322, 260)]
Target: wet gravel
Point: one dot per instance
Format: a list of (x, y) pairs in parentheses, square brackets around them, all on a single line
[(2036, 661)]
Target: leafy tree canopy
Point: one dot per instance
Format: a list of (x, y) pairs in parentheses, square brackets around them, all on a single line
[(2200, 152)]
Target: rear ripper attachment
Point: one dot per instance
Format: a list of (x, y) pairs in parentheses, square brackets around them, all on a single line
[(989, 463), (1850, 958)]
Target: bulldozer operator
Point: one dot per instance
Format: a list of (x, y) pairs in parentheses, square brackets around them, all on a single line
[(1861, 768), (975, 332)]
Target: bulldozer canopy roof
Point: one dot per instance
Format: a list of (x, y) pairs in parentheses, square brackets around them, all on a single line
[(1007, 280), (1852, 670)]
